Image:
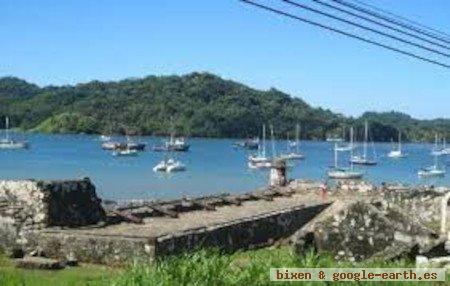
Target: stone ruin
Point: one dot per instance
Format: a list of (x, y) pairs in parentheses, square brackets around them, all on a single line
[(354, 222), (29, 205), (392, 224)]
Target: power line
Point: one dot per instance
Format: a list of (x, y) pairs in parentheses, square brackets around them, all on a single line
[(279, 12), (404, 19), (390, 20), (381, 24), (366, 28)]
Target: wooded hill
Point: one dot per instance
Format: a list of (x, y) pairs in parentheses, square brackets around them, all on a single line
[(196, 104)]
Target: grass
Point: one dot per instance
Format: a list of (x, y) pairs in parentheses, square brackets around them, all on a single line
[(205, 267), (75, 276)]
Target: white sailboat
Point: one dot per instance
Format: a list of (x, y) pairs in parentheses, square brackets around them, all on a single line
[(437, 151), (349, 146), (397, 153), (342, 173), (364, 159), (445, 149), (433, 171), (295, 155), (8, 143), (265, 164), (261, 156)]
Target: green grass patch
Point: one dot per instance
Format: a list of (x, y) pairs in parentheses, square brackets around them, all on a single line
[(73, 276), (204, 267)]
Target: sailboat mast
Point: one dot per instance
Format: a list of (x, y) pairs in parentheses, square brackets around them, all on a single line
[(273, 141), (366, 137), (335, 155), (435, 141), (264, 141), (288, 146), (7, 127), (297, 137), (399, 140), (351, 147)]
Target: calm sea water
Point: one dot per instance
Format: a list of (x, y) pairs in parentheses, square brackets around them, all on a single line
[(214, 166)]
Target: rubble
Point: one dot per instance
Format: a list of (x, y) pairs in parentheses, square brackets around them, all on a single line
[(30, 262), (29, 205), (387, 225)]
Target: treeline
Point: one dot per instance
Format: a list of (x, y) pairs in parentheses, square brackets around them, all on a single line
[(197, 104)]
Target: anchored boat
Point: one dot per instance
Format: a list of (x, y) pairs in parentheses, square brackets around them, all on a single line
[(169, 165), (364, 160), (261, 156), (432, 171), (125, 152), (294, 155), (343, 173), (9, 143), (397, 153)]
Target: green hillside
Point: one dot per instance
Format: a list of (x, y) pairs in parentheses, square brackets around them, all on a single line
[(197, 104)]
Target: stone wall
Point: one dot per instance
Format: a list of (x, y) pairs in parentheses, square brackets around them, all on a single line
[(246, 233), (114, 249), (93, 248), (359, 230), (29, 205)]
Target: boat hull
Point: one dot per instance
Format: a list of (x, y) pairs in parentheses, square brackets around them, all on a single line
[(340, 174), (14, 145)]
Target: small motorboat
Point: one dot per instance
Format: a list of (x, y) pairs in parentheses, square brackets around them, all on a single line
[(125, 152), (175, 166), (110, 145), (169, 166), (105, 138), (160, 167), (249, 144), (176, 145), (135, 146)]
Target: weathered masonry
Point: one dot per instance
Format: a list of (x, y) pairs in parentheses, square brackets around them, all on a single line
[(66, 219)]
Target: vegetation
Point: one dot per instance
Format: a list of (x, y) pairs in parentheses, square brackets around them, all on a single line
[(204, 267), (196, 104)]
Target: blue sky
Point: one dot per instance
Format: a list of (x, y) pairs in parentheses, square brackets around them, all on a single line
[(66, 42)]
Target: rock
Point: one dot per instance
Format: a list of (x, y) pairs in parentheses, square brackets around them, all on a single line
[(29, 262), (29, 205), (37, 252), (71, 260), (421, 261), (360, 230)]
